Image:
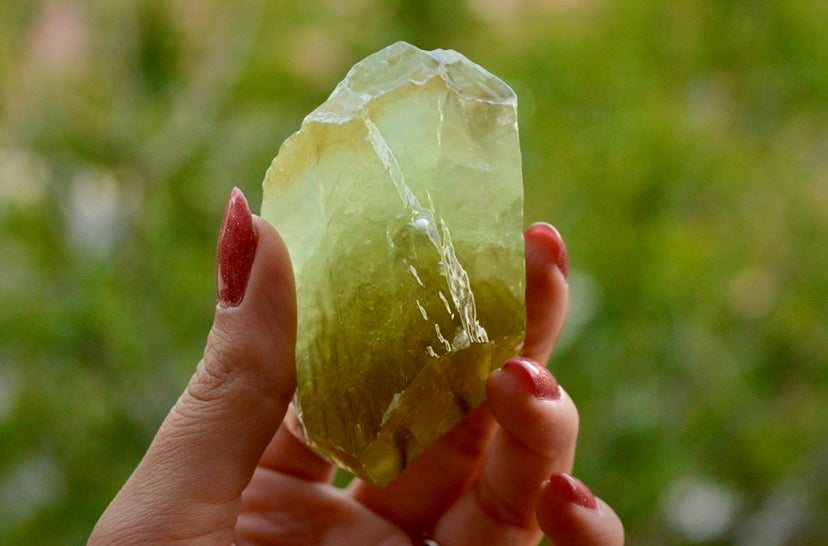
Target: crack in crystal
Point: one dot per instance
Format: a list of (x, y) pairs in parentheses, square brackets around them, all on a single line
[(442, 339), (422, 310), (423, 220), (446, 303), (416, 276)]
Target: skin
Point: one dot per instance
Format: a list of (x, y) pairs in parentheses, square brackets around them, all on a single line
[(226, 465)]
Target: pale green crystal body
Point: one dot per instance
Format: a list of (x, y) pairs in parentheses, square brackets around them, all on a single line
[(401, 202)]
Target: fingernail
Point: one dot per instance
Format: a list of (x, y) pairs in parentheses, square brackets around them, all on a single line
[(554, 246), (534, 378), (236, 250), (572, 490)]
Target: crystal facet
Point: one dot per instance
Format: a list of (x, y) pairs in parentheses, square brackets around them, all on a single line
[(401, 202)]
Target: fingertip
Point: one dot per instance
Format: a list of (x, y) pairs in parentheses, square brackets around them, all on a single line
[(256, 338), (569, 489), (545, 244), (272, 271), (525, 377), (569, 513), (530, 406)]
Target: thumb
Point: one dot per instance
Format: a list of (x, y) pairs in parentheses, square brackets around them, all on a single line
[(190, 481)]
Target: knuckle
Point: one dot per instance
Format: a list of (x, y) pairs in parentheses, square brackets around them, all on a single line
[(214, 377), (215, 371), (234, 361), (210, 381)]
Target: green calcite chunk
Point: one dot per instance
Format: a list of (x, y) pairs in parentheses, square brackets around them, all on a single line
[(401, 203)]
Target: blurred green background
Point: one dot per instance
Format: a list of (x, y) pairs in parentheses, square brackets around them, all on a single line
[(680, 147)]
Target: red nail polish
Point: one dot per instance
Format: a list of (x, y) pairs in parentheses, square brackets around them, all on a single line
[(554, 245), (572, 490), (533, 377), (236, 250)]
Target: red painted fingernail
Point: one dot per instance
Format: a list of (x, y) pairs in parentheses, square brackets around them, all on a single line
[(572, 490), (236, 250), (534, 378), (554, 245)]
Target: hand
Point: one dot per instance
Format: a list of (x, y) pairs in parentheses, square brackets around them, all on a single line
[(225, 466)]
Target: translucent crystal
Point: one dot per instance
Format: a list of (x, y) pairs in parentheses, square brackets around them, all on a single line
[(401, 203)]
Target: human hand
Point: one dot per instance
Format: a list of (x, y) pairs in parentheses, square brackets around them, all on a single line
[(226, 467)]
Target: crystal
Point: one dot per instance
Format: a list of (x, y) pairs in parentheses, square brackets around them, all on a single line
[(400, 200)]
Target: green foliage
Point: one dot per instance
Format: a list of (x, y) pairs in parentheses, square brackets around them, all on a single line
[(680, 147)]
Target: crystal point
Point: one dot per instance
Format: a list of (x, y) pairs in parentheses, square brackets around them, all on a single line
[(401, 202)]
